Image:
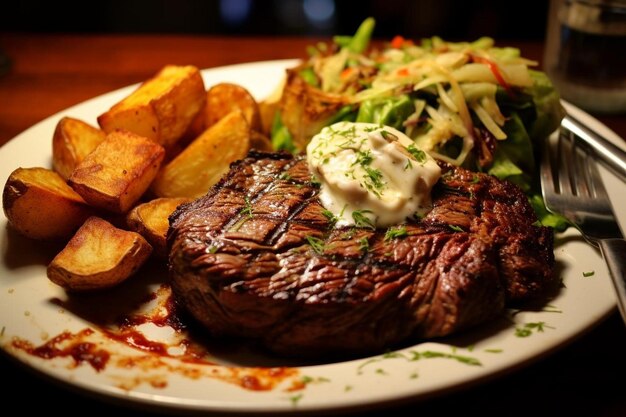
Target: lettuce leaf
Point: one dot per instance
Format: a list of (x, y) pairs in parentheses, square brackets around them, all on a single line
[(548, 108), (514, 158), (390, 111)]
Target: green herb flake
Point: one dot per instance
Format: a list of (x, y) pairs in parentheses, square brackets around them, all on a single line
[(316, 244), (361, 220), (348, 388), (388, 136), (311, 380), (414, 375), (373, 179), (285, 176), (589, 274), (430, 354), (247, 210), (408, 164), (418, 154), (364, 158), (315, 181), (364, 244), (332, 219), (396, 233), (493, 350), (212, 249), (456, 228), (381, 371), (528, 328), (295, 399)]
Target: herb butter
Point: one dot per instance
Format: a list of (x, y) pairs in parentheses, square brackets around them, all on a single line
[(372, 172)]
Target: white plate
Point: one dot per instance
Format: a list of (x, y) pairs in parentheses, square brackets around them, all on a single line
[(30, 309)]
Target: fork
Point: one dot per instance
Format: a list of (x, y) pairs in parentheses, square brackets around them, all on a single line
[(572, 186)]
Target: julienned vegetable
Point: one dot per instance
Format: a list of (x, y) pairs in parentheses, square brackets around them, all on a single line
[(470, 104)]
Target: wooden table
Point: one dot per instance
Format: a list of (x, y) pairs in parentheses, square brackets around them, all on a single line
[(52, 72)]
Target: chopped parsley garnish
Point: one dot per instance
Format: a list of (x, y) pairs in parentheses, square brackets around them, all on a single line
[(373, 179), (315, 181), (418, 154), (398, 232), (388, 136), (332, 219), (589, 274), (295, 399), (456, 228), (316, 244), (361, 220), (247, 210), (285, 176), (493, 350), (429, 354), (408, 165), (364, 244), (528, 328), (212, 249), (364, 158)]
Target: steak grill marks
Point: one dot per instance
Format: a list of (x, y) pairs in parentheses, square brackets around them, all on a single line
[(257, 257)]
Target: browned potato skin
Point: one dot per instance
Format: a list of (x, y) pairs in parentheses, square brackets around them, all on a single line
[(306, 109), (260, 141), (205, 160), (162, 108), (73, 139), (151, 221), (117, 173), (40, 205), (222, 99), (98, 256)]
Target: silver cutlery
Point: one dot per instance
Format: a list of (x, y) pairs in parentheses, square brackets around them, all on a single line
[(572, 187), (611, 155)]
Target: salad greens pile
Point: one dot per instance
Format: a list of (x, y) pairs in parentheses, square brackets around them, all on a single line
[(470, 104)]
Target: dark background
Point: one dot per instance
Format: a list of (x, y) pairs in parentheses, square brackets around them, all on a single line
[(455, 20)]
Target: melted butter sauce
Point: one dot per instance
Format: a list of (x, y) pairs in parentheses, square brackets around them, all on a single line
[(371, 170)]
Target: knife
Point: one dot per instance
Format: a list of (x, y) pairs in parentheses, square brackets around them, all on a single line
[(612, 156)]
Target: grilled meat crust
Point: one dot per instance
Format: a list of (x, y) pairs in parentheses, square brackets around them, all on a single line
[(245, 260)]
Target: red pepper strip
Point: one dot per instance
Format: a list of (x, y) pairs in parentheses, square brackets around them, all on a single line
[(495, 71), (347, 72), (397, 42), (403, 72)]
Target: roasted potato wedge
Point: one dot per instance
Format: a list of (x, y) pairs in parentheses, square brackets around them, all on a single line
[(221, 99), (40, 205), (150, 220), (305, 109), (205, 160), (116, 174), (98, 256), (162, 108), (73, 139)]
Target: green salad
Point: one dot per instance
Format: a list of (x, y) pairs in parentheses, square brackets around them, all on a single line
[(470, 104)]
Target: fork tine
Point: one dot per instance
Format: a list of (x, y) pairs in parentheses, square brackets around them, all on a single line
[(596, 184), (546, 173), (565, 151), (583, 181)]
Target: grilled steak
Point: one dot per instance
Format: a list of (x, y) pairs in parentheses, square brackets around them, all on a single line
[(257, 257)]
